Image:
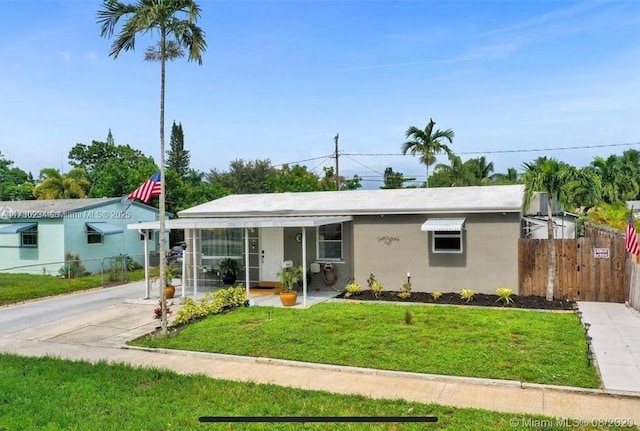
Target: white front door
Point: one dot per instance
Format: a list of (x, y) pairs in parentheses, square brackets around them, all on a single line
[(271, 242)]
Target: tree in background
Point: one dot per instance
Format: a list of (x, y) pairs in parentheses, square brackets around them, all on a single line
[(480, 169), (294, 178), (510, 177), (619, 178), (551, 177), (244, 177), (177, 156), (428, 143), (164, 17), (394, 180), (112, 170), (455, 174), (54, 185), (15, 184)]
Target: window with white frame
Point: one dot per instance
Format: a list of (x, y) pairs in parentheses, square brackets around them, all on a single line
[(220, 243), (29, 237), (329, 242), (447, 241)]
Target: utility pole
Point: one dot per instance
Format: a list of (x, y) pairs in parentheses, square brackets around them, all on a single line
[(337, 170)]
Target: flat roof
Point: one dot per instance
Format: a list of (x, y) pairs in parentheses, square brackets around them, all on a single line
[(479, 199)]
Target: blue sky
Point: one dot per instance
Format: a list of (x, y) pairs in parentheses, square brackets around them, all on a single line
[(280, 78)]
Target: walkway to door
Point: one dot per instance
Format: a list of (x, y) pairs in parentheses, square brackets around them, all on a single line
[(615, 333)]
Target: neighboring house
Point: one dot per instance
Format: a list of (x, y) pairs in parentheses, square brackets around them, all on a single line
[(447, 239), (35, 235), (535, 220)]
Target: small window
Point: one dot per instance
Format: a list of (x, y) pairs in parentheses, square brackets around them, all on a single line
[(93, 236), (330, 242), (447, 242), (29, 237)]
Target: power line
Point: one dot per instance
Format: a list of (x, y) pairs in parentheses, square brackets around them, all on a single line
[(522, 150)]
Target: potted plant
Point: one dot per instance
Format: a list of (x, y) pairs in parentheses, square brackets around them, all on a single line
[(289, 278), (229, 270), (171, 272)]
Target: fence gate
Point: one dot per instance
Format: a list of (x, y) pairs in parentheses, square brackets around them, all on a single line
[(588, 269)]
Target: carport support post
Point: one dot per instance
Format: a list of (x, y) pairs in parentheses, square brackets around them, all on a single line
[(147, 280), (195, 266), (304, 267), (246, 260)]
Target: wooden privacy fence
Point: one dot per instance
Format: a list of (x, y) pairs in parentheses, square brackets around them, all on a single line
[(632, 277), (588, 269)]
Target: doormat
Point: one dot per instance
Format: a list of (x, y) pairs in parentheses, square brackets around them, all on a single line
[(262, 290)]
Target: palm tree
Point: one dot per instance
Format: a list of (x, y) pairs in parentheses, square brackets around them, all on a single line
[(457, 173), (54, 185), (618, 176), (551, 177), (428, 143), (175, 22), (481, 169), (511, 177)]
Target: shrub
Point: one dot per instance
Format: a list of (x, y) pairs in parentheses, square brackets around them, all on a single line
[(157, 312), (467, 294), (504, 294), (408, 317), (72, 267), (405, 290), (211, 303), (352, 288), (376, 288), (435, 295)]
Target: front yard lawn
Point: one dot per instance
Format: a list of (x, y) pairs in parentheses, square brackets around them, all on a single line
[(539, 347), (22, 287), (51, 394)]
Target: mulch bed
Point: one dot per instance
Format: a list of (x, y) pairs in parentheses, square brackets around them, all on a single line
[(479, 299)]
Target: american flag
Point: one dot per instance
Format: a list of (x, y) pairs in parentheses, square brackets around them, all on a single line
[(146, 191), (631, 240)]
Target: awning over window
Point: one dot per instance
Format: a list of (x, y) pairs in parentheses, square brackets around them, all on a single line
[(442, 225), (14, 228), (105, 228)]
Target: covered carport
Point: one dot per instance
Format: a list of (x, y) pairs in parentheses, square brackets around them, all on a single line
[(246, 223)]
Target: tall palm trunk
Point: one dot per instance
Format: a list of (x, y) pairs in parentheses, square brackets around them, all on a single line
[(163, 245), (427, 180), (551, 250)]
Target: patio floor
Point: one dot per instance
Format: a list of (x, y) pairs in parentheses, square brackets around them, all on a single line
[(260, 297)]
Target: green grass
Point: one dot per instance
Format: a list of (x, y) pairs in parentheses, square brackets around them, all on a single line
[(547, 348), (51, 394), (21, 287)]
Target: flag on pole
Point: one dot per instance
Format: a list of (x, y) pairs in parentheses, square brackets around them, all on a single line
[(631, 239), (147, 190)]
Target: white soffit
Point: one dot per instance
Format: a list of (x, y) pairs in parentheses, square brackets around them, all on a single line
[(241, 222), (442, 225)]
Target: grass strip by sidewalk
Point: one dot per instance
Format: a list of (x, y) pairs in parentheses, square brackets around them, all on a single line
[(52, 394), (22, 287), (539, 347)]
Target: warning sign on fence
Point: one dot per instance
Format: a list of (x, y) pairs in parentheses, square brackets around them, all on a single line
[(601, 253)]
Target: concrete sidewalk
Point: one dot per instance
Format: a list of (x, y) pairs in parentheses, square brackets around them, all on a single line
[(99, 335), (615, 332)]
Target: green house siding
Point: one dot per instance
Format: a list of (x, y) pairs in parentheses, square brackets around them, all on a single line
[(44, 258), (96, 256), (57, 236)]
